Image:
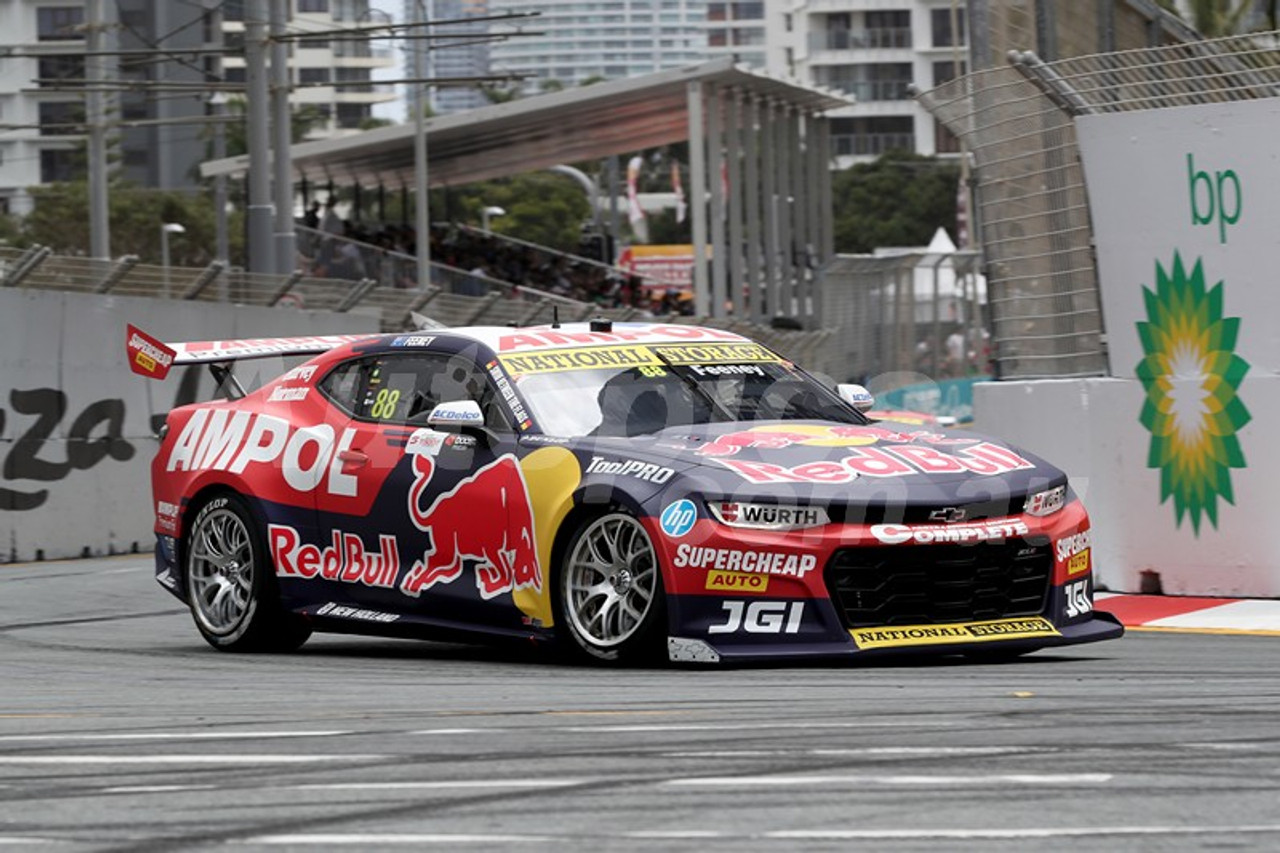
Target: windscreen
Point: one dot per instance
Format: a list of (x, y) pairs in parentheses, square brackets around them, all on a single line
[(673, 389)]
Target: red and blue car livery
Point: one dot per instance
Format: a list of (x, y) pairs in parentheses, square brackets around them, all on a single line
[(622, 490)]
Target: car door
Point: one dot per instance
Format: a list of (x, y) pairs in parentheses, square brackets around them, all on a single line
[(443, 496)]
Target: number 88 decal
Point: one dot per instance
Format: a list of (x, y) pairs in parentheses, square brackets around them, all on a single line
[(384, 405)]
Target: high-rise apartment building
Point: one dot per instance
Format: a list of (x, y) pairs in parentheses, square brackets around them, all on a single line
[(161, 137), (581, 41), (334, 75), (457, 49), (875, 51)]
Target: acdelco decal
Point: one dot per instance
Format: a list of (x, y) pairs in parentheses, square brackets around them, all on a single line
[(932, 534), (219, 440), (1075, 550), (506, 552), (962, 632), (345, 559), (984, 459), (730, 560)]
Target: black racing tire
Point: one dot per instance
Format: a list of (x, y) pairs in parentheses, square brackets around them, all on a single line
[(611, 606), (231, 585)]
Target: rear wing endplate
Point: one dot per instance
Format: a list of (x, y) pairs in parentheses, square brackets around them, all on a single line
[(154, 358)]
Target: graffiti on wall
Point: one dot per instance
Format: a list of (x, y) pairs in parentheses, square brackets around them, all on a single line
[(37, 455)]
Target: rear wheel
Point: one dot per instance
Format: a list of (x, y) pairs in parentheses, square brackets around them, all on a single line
[(611, 599), (230, 585)]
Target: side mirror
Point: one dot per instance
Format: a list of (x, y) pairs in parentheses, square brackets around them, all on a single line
[(460, 416), (855, 395)]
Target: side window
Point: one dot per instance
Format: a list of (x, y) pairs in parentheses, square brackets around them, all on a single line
[(342, 386), (405, 388)]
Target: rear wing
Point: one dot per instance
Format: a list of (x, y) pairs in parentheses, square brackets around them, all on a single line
[(153, 358)]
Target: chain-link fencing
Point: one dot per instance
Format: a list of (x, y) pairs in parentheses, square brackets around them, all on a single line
[(1031, 204)]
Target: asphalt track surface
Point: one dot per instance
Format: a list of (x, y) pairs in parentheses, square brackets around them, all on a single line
[(121, 730)]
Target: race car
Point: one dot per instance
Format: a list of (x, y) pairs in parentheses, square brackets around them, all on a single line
[(618, 490)]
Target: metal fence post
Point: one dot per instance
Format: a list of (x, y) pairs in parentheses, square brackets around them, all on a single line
[(206, 278), (26, 265), (117, 273)]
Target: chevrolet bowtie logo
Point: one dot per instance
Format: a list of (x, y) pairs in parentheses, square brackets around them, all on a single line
[(949, 515)]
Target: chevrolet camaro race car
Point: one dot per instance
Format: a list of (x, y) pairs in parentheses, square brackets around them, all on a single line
[(622, 490)]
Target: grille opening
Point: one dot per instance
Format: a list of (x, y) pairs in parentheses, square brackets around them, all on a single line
[(938, 584)]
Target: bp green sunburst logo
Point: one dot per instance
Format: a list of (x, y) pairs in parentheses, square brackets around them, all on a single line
[(1191, 375)]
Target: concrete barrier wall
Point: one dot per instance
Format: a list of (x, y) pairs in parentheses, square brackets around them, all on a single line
[(76, 426), (1091, 429)]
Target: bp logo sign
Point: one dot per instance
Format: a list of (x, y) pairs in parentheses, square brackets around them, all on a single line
[(1191, 375)]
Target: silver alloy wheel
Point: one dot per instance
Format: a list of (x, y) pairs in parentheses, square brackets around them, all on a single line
[(220, 571), (610, 580)]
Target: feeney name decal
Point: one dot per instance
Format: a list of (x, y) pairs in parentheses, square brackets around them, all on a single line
[(728, 560), (221, 440), (346, 559), (932, 534), (968, 632), (984, 459)]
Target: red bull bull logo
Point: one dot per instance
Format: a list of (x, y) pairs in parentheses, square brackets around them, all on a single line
[(503, 549), (814, 435)]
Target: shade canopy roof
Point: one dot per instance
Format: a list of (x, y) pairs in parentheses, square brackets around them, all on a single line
[(572, 125)]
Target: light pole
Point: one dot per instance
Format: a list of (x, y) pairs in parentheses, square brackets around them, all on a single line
[(486, 212), (166, 229)]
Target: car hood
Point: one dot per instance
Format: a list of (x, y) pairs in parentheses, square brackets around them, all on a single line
[(825, 462)]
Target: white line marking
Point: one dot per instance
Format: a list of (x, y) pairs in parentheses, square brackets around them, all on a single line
[(13, 839), (678, 727), (156, 789), (1001, 834), (440, 785), (354, 840), (1232, 746), (993, 779), (183, 759), (734, 727), (893, 751), (134, 736), (358, 840)]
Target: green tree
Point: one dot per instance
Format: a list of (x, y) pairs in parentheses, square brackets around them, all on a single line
[(1217, 18), (58, 221), (540, 207), (900, 199)]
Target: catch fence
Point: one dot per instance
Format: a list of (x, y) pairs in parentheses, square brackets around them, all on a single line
[(1032, 214)]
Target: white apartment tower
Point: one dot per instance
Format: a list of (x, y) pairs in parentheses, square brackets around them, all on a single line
[(586, 40), (875, 50), (318, 66)]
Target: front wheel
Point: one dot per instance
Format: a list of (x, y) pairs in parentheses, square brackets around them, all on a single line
[(230, 586), (611, 599)]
